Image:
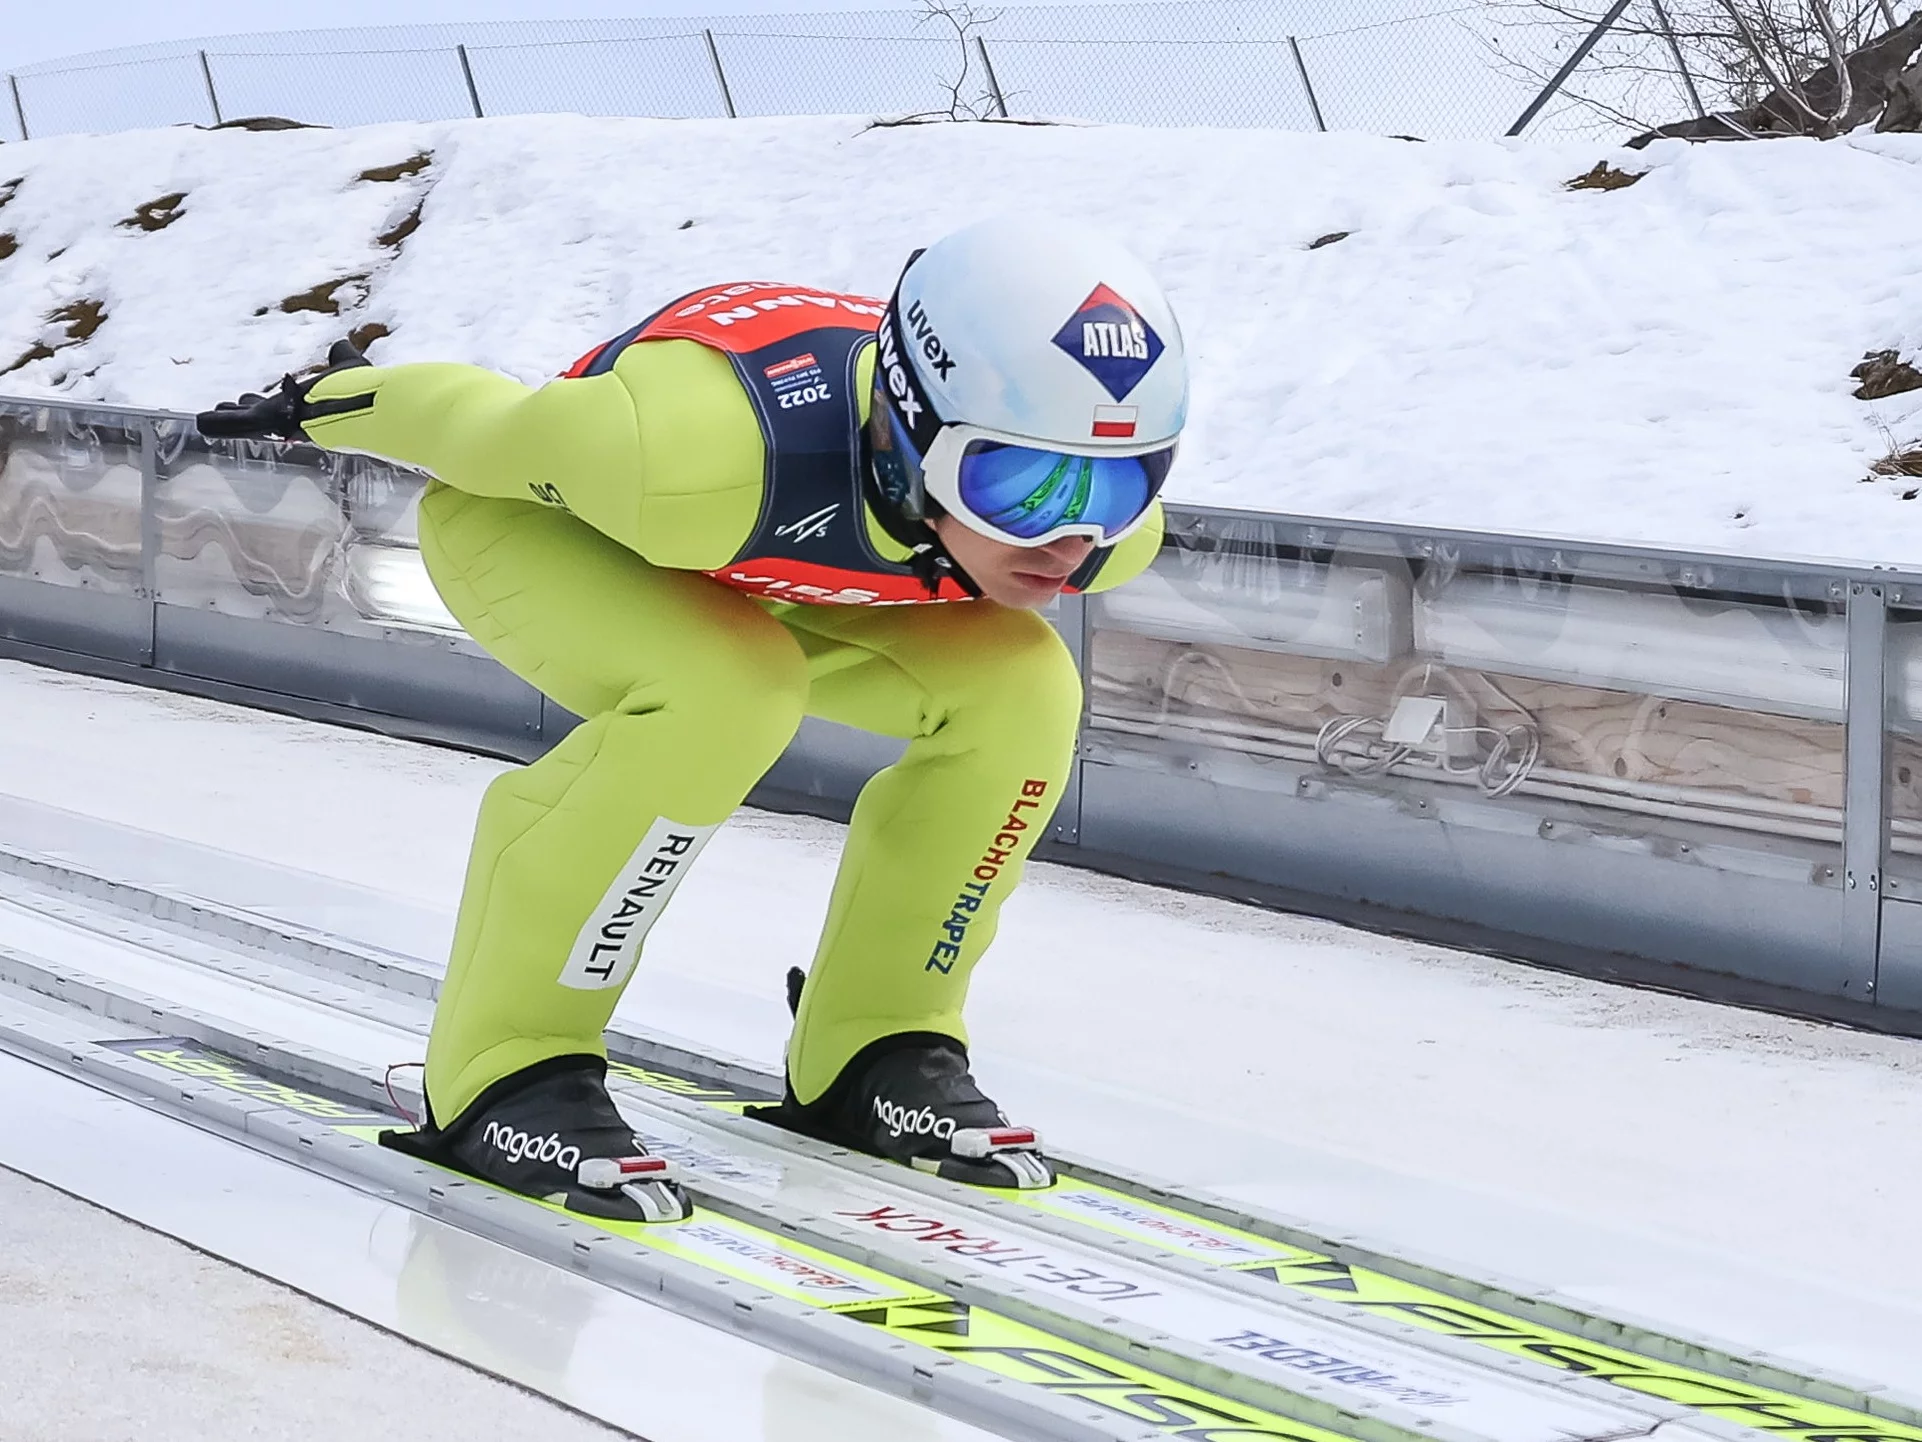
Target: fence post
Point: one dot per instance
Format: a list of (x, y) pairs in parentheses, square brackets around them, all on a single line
[(1602, 27), (994, 85), (1865, 800), (149, 528), (720, 75), (1301, 69), (1075, 625), (1675, 49), (207, 74), (467, 74), (19, 110)]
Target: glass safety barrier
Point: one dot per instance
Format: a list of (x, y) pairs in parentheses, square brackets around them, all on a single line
[(1630, 702)]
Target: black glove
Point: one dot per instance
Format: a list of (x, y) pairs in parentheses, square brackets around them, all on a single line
[(281, 414)]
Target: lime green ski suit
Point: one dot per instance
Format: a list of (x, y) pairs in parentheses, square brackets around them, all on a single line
[(567, 529)]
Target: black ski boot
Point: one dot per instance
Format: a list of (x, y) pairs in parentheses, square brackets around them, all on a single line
[(910, 1098), (551, 1131)]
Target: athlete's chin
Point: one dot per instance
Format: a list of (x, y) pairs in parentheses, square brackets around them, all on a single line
[(1026, 592)]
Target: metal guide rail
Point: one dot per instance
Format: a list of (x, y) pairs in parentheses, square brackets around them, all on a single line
[(861, 1325), (1699, 769), (1216, 1300)]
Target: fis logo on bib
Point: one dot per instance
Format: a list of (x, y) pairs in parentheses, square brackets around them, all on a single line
[(808, 527), (520, 1146), (921, 1122), (1111, 341)]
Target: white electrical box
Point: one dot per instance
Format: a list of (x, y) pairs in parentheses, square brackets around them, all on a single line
[(1414, 720)]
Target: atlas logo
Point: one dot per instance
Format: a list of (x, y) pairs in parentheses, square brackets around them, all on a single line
[(1111, 341), (520, 1146), (921, 1122), (808, 527), (931, 346), (1103, 338), (899, 386)]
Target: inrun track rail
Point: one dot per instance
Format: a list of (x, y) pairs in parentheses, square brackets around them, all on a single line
[(1212, 1297)]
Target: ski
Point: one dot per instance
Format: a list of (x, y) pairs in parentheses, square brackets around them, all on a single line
[(1261, 1261), (979, 1365), (1312, 1371)]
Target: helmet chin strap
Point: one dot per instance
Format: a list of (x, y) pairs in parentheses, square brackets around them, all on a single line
[(929, 557), (931, 562)]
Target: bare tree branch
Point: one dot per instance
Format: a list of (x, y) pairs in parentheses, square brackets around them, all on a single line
[(961, 17), (1754, 44), (1739, 68), (1839, 56)]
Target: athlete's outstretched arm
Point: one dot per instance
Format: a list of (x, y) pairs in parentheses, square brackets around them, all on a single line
[(488, 434), (663, 454)]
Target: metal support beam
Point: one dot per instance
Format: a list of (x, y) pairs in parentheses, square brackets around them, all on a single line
[(1073, 626), (1681, 63), (1864, 821), (994, 84), (1602, 27), (1307, 85), (19, 110), (720, 75), (149, 525), (467, 74), (213, 98)]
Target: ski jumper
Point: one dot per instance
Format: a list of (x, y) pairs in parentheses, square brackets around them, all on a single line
[(672, 542)]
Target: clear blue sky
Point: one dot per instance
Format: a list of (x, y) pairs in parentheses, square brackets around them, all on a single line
[(34, 30)]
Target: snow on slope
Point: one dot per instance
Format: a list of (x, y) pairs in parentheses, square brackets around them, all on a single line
[(1666, 363), (112, 1331)]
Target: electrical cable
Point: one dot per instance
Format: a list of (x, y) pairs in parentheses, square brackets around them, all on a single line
[(387, 1082), (1371, 762)]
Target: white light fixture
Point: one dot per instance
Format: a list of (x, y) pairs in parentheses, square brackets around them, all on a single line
[(1905, 674), (390, 584), (1722, 652), (1305, 608)]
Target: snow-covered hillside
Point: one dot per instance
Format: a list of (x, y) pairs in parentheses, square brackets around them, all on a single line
[(1667, 362)]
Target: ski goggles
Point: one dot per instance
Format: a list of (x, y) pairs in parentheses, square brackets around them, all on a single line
[(1010, 490)]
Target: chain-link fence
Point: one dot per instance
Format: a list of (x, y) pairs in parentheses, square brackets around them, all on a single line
[(1386, 66)]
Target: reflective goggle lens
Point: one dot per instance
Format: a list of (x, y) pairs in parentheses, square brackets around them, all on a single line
[(1025, 494)]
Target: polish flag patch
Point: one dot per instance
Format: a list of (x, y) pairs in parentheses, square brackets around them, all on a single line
[(1115, 423)]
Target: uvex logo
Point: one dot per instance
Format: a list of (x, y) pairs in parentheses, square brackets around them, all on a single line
[(931, 346), (898, 385)]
